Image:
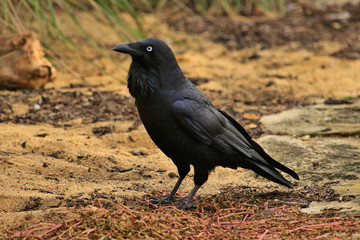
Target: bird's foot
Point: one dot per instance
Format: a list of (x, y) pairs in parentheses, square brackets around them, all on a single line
[(181, 199), (167, 199), (186, 204)]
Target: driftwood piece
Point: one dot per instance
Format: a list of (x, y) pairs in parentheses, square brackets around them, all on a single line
[(22, 62)]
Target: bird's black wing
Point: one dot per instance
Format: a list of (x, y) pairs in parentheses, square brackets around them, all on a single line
[(207, 124), (212, 127)]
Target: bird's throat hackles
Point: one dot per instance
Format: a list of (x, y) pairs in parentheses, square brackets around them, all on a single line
[(141, 83)]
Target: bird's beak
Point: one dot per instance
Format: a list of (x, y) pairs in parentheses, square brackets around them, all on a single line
[(133, 49)]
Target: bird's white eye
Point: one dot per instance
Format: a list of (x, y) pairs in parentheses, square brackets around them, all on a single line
[(149, 48)]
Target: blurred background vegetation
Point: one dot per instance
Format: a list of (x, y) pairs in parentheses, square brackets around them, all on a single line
[(42, 16)]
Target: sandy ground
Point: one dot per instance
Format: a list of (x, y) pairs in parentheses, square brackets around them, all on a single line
[(44, 166)]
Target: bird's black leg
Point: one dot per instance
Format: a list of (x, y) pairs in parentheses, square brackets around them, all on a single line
[(200, 177), (171, 197), (183, 171), (186, 201)]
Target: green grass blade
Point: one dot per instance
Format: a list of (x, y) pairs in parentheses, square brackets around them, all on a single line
[(226, 6), (113, 10), (237, 7), (87, 36), (5, 11), (38, 16), (5, 16)]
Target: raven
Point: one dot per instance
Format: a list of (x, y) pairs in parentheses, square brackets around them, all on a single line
[(185, 125)]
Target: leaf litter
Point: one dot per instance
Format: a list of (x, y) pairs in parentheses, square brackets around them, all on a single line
[(234, 213)]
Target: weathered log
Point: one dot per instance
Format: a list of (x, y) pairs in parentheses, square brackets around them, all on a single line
[(22, 62)]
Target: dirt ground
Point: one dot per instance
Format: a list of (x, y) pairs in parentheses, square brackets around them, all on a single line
[(80, 137)]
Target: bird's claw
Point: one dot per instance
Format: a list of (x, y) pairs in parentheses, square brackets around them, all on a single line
[(185, 202), (186, 205), (167, 199), (162, 200)]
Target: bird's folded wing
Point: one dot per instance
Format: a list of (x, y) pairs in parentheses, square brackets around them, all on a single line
[(208, 125)]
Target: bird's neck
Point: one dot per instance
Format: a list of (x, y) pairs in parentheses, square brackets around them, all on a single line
[(144, 82), (172, 78)]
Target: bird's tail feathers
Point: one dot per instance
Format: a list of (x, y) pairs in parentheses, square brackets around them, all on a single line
[(259, 149), (275, 163), (268, 172)]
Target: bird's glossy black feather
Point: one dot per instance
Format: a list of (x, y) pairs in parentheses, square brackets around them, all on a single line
[(185, 125)]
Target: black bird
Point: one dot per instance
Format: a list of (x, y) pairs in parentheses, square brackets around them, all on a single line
[(185, 125)]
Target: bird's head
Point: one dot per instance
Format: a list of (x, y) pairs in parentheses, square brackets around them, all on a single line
[(154, 65), (150, 52)]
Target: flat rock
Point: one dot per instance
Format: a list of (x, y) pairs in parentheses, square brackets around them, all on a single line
[(318, 161), (320, 119), (342, 207), (348, 188)]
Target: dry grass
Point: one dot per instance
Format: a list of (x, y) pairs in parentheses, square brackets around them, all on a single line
[(236, 213)]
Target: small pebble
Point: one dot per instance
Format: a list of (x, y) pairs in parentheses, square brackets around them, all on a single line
[(305, 138)]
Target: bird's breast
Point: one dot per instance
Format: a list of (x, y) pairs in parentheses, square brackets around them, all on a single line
[(169, 134), (157, 117), (166, 132)]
